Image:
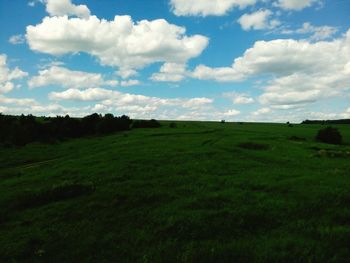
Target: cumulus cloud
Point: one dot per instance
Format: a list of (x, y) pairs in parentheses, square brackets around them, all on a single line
[(65, 7), (289, 97), (139, 106), (238, 98), (195, 103), (231, 113), (17, 101), (258, 20), (317, 32), (296, 4), (299, 71), (130, 82), (207, 7), (66, 78), (7, 76), (126, 73), (170, 72), (222, 74), (261, 111), (30, 106), (90, 94), (119, 42), (120, 98), (19, 106)]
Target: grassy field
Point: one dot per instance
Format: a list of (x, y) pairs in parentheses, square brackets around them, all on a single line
[(200, 192)]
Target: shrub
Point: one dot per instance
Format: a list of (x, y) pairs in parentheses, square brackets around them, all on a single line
[(329, 135), (172, 125), (146, 124), (296, 138)]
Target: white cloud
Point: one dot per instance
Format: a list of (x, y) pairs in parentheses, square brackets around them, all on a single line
[(289, 97), (110, 97), (261, 111), (170, 72), (134, 105), (296, 4), (69, 79), (65, 7), (90, 94), (16, 101), (19, 106), (30, 106), (211, 114), (296, 116), (126, 73), (34, 2), (298, 71), (48, 63), (195, 103), (7, 76), (231, 113), (317, 32), (120, 42), (221, 74), (207, 7), (258, 20), (17, 39), (238, 98), (130, 82), (243, 100)]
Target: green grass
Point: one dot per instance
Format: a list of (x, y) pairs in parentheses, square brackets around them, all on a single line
[(201, 192)]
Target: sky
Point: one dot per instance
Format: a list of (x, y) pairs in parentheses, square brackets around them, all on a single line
[(237, 60)]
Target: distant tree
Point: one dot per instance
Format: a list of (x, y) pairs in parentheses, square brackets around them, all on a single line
[(328, 122), (106, 124), (20, 130), (146, 124), (89, 123), (329, 135)]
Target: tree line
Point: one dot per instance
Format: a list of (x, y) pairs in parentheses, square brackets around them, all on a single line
[(327, 122), (24, 129)]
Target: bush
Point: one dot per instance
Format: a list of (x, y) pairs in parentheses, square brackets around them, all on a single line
[(146, 124), (172, 125), (297, 138), (329, 135)]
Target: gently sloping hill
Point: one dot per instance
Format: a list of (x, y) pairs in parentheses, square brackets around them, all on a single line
[(172, 198), (184, 133)]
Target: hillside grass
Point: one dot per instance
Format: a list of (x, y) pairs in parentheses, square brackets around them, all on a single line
[(200, 192)]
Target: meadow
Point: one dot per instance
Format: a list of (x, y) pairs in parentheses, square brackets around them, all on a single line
[(192, 192)]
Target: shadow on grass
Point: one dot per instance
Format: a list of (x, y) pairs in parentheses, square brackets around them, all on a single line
[(254, 146), (297, 138), (57, 193)]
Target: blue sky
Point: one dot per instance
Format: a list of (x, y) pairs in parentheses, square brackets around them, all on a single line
[(244, 60)]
